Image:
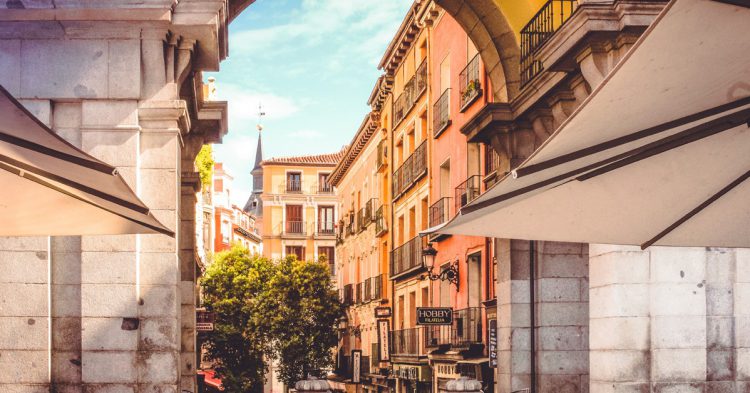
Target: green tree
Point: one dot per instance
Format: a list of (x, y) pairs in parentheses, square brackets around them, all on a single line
[(204, 161), (285, 310), (233, 287), (303, 310)]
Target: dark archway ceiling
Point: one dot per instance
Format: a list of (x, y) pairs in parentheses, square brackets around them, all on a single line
[(237, 6)]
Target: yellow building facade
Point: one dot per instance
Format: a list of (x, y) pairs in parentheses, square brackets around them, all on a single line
[(299, 207), (362, 248), (406, 61)]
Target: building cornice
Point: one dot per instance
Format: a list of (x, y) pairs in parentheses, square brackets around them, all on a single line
[(367, 129)]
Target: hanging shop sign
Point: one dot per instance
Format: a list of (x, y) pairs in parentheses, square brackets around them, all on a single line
[(492, 338), (384, 339), (382, 312), (434, 316), (356, 365), (204, 320)]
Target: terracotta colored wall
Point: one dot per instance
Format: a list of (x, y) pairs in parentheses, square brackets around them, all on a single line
[(450, 41)]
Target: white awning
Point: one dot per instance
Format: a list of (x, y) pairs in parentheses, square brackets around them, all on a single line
[(651, 154), (49, 187)]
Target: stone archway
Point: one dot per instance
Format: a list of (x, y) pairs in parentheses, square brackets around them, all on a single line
[(493, 36)]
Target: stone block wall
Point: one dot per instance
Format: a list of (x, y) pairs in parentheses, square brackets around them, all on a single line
[(669, 319), (103, 314), (560, 317)]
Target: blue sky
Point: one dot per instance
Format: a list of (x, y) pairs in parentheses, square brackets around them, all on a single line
[(312, 64)]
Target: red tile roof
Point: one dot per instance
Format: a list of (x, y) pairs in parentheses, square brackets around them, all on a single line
[(330, 159)]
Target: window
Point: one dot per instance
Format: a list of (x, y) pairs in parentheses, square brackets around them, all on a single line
[(298, 251), (226, 229), (325, 220), (294, 223), (445, 179), (294, 182), (330, 255), (475, 279), (323, 186)]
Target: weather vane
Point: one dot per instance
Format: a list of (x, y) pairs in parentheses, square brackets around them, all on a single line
[(260, 116)]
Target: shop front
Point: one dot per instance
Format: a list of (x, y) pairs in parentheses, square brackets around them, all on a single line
[(412, 378)]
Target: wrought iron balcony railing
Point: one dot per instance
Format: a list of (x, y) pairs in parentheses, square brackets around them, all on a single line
[(325, 228), (367, 296), (407, 257), (465, 330), (348, 298), (294, 186), (380, 225), (294, 228), (413, 89), (440, 211), (441, 116), (470, 83), (467, 191), (377, 287), (541, 27), (325, 188), (408, 341), (410, 171)]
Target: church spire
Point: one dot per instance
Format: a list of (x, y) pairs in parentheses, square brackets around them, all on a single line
[(259, 148)]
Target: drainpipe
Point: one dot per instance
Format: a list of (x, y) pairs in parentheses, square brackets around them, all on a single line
[(532, 316)]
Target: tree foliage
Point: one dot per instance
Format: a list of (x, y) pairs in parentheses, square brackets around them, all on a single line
[(204, 161), (284, 310), (303, 310)]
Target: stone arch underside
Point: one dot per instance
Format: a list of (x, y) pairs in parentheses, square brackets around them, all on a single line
[(495, 40)]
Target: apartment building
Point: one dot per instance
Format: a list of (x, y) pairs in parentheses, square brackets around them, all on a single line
[(459, 172), (362, 255), (231, 223), (406, 62), (299, 207)]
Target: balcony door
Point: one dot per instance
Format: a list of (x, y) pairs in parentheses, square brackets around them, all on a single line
[(294, 222), (474, 279), (323, 185), (325, 219), (298, 251), (294, 182)]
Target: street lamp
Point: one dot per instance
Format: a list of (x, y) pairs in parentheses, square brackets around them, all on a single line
[(448, 273)]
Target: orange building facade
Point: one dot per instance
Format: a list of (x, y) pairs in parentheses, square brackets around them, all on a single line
[(458, 175)]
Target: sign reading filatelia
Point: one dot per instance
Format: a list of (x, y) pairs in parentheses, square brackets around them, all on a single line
[(356, 365), (493, 342), (434, 315), (384, 342)]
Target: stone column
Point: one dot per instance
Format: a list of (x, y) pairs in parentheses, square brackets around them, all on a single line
[(669, 319), (561, 316), (161, 122)]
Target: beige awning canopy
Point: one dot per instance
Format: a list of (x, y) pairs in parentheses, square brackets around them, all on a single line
[(659, 153), (51, 188)]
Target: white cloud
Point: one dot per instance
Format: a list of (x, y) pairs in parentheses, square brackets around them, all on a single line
[(243, 103)]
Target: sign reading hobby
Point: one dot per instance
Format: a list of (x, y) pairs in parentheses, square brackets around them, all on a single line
[(434, 316)]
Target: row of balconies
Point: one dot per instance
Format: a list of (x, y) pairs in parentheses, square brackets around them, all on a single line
[(413, 89), (413, 169), (354, 223), (298, 187), (465, 332), (363, 292), (302, 228)]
